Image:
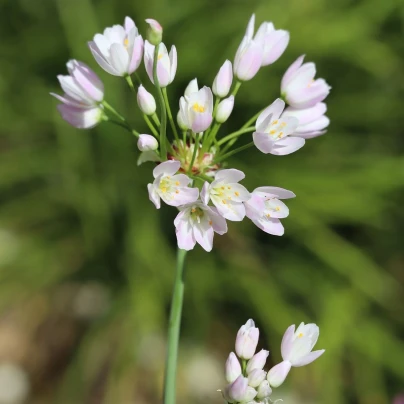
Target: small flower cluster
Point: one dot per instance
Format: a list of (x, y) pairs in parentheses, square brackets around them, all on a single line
[(248, 382), (190, 174)]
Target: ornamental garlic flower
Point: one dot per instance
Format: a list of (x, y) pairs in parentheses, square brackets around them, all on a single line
[(247, 340), (192, 87), (155, 31), (312, 120), (249, 55), (224, 109), (119, 49), (83, 93), (298, 87), (222, 83), (265, 209), (166, 63), (273, 131), (196, 110), (197, 223), (233, 368), (147, 143), (146, 101), (227, 194), (172, 189), (257, 361), (273, 41)]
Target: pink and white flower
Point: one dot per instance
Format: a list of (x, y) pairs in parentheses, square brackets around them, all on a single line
[(224, 109), (146, 101), (265, 208), (172, 188), (274, 133), (312, 121), (155, 31), (233, 368), (196, 108), (223, 80), (247, 340), (166, 63), (273, 41), (119, 49), (299, 88), (249, 55), (197, 223), (83, 92), (147, 143), (227, 194)]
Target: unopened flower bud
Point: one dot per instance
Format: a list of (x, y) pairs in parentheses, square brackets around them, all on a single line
[(222, 83), (181, 122), (233, 368), (192, 87), (247, 340), (264, 390), (277, 375), (224, 109), (238, 389), (257, 361), (146, 101), (154, 32), (256, 377), (147, 143), (249, 395)]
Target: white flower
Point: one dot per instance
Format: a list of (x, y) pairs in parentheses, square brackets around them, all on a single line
[(166, 63), (197, 223), (172, 189), (196, 108), (273, 132), (147, 143), (226, 194), (192, 87), (222, 83), (119, 49), (224, 109), (265, 209)]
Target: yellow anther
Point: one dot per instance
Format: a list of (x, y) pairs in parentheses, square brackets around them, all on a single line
[(268, 215), (177, 183), (300, 335), (274, 122), (198, 107), (283, 124), (126, 43), (222, 187), (168, 177), (272, 132), (164, 189), (277, 208), (228, 187), (177, 192), (210, 222), (159, 56), (236, 193), (193, 210), (223, 201), (280, 134)]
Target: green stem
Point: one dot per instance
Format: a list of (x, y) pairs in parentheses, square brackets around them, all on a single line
[(235, 134), (130, 83), (174, 331), (151, 127), (227, 155), (121, 120), (196, 147), (123, 125), (160, 99), (253, 119), (237, 86), (170, 115), (156, 119)]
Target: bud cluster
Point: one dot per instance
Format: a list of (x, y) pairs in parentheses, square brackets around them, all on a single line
[(248, 382)]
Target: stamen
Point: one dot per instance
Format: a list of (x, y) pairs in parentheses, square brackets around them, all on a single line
[(236, 193), (198, 107), (177, 183)]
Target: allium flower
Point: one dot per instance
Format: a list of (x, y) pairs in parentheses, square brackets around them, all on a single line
[(222, 83), (274, 132), (197, 223), (166, 63), (312, 121), (146, 101), (237, 391), (155, 31), (226, 194), (83, 93), (273, 41), (249, 56), (257, 361), (192, 87), (277, 375), (119, 49), (196, 110), (256, 377), (265, 209), (147, 143), (299, 88), (264, 390), (247, 340), (172, 189), (297, 345), (224, 109), (233, 368)]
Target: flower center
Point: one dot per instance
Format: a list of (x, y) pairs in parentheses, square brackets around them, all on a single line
[(277, 129), (300, 335), (198, 107), (126, 43), (197, 214)]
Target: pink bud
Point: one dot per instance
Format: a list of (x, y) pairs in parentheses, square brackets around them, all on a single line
[(146, 101), (247, 340), (222, 83), (224, 109), (248, 59), (238, 389), (257, 361), (277, 375), (192, 87), (147, 143), (256, 377), (264, 390), (155, 31), (233, 368)]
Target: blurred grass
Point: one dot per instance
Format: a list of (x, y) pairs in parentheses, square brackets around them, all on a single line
[(75, 211)]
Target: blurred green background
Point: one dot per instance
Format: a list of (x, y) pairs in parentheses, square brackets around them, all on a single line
[(87, 263)]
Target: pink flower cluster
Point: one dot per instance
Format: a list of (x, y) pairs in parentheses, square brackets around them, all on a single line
[(248, 382)]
